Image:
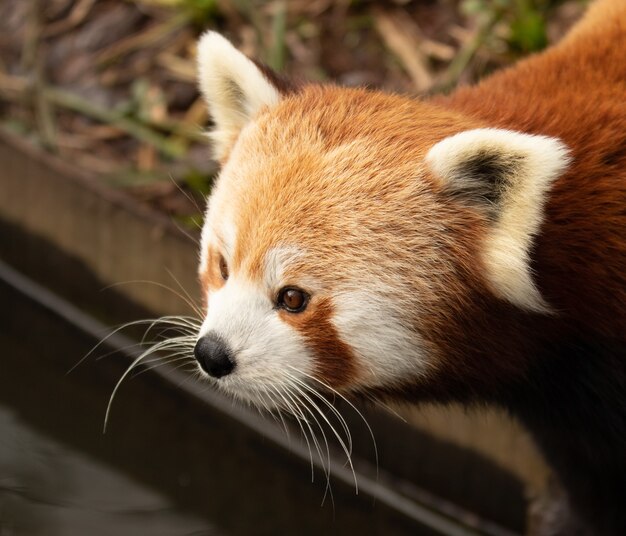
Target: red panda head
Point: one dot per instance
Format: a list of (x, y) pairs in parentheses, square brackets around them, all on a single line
[(349, 230)]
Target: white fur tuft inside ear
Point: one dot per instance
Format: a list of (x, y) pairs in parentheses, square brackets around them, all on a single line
[(234, 87), (509, 175)]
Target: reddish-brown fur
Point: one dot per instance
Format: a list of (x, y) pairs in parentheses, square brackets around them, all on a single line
[(211, 279), (389, 217), (334, 358), (576, 92)]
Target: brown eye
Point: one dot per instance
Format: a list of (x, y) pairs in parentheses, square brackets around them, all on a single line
[(223, 268), (292, 299)]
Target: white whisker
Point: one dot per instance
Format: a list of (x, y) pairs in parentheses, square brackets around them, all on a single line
[(180, 344), (346, 451), (195, 306), (292, 407), (356, 410), (332, 408), (299, 395), (160, 361)]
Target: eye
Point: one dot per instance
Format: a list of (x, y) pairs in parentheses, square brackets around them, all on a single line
[(223, 268), (292, 299)]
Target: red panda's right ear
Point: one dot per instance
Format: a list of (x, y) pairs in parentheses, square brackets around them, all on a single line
[(507, 176), (235, 89)]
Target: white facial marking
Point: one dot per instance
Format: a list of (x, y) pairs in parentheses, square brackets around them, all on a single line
[(276, 261), (225, 244), (205, 240), (386, 351)]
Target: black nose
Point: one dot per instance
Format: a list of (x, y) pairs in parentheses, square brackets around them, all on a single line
[(214, 356)]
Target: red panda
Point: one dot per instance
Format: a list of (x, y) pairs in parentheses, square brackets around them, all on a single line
[(470, 247)]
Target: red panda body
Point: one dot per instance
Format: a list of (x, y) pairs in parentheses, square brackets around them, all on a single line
[(573, 395), (470, 248), (575, 92)]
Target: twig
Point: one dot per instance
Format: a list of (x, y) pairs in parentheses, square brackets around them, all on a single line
[(182, 69), (437, 50), (197, 113), (44, 108), (76, 17), (13, 86), (467, 52), (276, 54), (33, 62), (402, 37), (143, 39), (17, 88), (31, 36), (137, 130)]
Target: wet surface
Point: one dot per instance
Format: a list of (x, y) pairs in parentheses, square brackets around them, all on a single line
[(48, 488), (176, 460)]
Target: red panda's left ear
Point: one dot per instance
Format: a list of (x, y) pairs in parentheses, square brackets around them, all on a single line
[(235, 88), (507, 176)]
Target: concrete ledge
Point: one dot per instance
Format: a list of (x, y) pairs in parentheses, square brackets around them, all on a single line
[(115, 238)]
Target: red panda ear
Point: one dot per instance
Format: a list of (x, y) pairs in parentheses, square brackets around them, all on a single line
[(235, 88), (506, 175)]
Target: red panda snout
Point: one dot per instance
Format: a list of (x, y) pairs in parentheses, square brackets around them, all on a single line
[(245, 347)]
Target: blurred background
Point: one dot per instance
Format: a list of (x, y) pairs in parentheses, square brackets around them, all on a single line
[(110, 84), (103, 174)]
